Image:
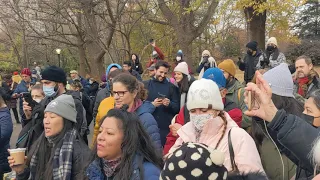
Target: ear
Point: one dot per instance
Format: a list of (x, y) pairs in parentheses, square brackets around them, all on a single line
[(135, 92), (224, 92), (310, 66)]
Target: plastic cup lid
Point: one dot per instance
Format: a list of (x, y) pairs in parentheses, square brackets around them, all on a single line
[(17, 150)]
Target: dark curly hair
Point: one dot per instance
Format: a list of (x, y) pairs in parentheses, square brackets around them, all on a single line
[(132, 84)]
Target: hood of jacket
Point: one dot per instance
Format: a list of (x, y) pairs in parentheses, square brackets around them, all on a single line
[(146, 107), (110, 66)]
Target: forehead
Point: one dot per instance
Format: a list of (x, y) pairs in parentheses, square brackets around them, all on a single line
[(310, 103), (162, 68), (110, 123), (46, 81), (301, 62), (118, 86)]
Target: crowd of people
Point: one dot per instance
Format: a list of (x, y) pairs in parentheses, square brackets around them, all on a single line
[(166, 127)]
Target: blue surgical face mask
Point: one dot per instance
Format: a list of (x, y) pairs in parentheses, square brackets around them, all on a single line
[(48, 91)]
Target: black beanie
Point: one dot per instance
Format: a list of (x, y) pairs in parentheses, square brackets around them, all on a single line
[(55, 74), (253, 45)]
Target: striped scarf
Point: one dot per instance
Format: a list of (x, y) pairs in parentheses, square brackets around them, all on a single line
[(62, 159)]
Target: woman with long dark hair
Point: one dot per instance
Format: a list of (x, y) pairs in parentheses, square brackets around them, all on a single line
[(123, 149), (184, 80), (59, 153)]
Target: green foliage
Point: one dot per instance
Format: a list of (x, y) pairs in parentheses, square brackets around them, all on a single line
[(309, 47), (308, 21)]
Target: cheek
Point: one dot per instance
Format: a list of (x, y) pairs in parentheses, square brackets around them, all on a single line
[(57, 126)]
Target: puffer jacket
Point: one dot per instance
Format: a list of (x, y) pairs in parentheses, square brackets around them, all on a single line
[(246, 154), (6, 129), (184, 117), (149, 123), (150, 171)]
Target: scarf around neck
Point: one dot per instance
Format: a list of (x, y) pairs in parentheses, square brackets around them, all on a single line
[(303, 84), (136, 105), (109, 166), (62, 159)]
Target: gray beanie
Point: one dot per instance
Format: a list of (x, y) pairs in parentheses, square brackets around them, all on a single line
[(63, 106), (280, 80)]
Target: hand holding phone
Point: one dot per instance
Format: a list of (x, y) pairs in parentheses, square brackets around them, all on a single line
[(28, 98)]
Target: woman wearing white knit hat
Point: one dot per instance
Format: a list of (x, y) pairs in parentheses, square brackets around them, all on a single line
[(184, 80), (207, 61), (272, 56), (210, 125)]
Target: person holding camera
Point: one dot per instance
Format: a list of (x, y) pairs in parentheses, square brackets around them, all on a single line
[(164, 97), (207, 61)]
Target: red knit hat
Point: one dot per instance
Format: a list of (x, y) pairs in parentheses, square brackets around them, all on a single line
[(15, 73), (26, 71)]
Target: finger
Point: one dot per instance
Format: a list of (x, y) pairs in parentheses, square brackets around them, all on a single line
[(252, 113), (265, 86)]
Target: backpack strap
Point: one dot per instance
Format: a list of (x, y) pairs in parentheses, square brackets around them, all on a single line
[(231, 151), (239, 94)]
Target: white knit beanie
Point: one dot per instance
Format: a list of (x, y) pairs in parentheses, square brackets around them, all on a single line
[(280, 80), (206, 52), (182, 67), (272, 40), (204, 93)]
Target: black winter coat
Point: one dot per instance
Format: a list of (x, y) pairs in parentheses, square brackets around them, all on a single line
[(80, 160), (297, 137), (5, 135)]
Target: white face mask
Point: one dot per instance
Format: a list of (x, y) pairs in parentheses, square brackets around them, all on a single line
[(199, 120), (37, 100), (178, 58)]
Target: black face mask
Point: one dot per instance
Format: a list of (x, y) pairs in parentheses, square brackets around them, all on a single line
[(249, 52), (270, 48), (308, 118)]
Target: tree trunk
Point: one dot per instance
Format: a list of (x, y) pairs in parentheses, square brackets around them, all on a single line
[(95, 52), (81, 49), (256, 26)]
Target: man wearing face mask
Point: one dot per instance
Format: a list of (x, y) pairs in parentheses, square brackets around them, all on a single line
[(54, 82), (272, 57), (164, 97), (251, 61)]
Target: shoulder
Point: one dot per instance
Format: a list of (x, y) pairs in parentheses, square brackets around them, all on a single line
[(147, 119), (94, 171), (151, 172), (239, 135)]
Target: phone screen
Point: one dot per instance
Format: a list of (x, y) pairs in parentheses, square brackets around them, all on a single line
[(161, 96)]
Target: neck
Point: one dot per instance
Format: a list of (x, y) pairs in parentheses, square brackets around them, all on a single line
[(61, 91), (130, 106)]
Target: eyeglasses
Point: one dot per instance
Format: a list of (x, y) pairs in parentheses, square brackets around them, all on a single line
[(119, 93)]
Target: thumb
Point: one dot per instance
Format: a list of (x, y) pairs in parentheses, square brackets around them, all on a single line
[(251, 113)]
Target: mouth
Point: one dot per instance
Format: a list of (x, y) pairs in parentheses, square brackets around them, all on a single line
[(47, 130), (99, 146)]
